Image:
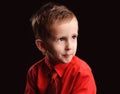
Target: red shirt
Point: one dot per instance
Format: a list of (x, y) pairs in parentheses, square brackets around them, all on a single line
[(75, 77)]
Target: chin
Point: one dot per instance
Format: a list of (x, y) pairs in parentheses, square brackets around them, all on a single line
[(67, 61)]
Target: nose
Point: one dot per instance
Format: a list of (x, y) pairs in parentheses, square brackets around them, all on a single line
[(68, 45)]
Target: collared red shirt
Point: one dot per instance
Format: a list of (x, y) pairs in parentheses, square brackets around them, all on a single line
[(74, 78)]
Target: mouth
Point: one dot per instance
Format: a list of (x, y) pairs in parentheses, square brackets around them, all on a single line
[(67, 55)]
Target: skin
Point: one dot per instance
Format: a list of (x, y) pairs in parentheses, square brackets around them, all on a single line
[(62, 43)]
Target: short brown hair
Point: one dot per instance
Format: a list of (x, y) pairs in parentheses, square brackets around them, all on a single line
[(46, 16)]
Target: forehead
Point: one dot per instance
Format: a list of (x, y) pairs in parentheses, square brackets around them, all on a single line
[(65, 27)]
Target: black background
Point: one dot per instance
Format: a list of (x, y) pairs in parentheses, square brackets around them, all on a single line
[(97, 43)]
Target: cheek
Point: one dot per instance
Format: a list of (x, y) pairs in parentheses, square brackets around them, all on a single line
[(53, 48), (57, 49), (74, 43), (75, 47)]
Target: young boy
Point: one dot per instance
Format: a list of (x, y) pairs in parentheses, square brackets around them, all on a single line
[(56, 31)]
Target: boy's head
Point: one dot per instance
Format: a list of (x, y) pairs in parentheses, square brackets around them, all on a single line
[(56, 30)]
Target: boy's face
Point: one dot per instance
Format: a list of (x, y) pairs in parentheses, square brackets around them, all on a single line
[(62, 43)]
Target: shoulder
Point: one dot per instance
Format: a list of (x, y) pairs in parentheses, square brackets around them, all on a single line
[(36, 66), (80, 66), (83, 76), (80, 63)]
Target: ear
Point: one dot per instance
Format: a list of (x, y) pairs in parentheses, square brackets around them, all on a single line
[(40, 45)]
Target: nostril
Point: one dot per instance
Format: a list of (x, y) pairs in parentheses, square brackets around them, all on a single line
[(67, 48)]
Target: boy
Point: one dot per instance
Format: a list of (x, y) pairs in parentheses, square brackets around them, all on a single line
[(56, 31)]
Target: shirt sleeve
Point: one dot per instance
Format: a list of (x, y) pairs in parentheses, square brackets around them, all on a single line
[(85, 83), (31, 82)]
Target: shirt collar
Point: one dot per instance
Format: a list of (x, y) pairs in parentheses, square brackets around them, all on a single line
[(59, 68), (48, 64)]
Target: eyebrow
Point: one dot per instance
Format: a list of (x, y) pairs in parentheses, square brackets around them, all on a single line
[(75, 34)]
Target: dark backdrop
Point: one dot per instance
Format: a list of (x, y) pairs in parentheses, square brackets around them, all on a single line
[(97, 42)]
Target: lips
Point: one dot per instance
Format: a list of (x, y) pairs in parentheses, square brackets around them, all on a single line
[(67, 55)]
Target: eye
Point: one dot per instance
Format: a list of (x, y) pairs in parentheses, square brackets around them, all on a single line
[(74, 36), (61, 39)]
